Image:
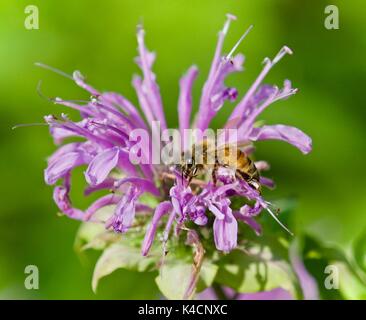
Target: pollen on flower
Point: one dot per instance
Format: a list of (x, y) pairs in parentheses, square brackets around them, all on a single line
[(205, 199)]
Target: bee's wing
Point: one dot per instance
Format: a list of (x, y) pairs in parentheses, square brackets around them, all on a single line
[(209, 146), (237, 145), (233, 124)]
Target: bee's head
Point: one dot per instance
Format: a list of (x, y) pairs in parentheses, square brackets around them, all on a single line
[(188, 168)]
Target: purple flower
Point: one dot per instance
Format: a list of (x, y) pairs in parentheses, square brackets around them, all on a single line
[(104, 148)]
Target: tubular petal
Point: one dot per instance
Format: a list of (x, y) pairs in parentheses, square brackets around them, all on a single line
[(100, 167), (162, 209), (226, 232), (61, 166), (288, 134)]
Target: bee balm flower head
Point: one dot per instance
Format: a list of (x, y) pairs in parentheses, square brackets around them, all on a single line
[(105, 149)]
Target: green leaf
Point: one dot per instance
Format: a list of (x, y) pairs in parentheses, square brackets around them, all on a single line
[(349, 285), (317, 257), (121, 256), (268, 275), (188, 267), (359, 251), (149, 199), (260, 263), (174, 279), (93, 235), (259, 272), (207, 275)]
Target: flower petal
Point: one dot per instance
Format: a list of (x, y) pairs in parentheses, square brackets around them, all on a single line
[(262, 165), (100, 203), (248, 211), (201, 220), (162, 209), (102, 165), (150, 88), (307, 282), (62, 200), (124, 213), (62, 165), (215, 77), (269, 183), (242, 106), (106, 184), (289, 134), (219, 215), (125, 105), (215, 92), (226, 232), (80, 81), (70, 147), (185, 99), (250, 222), (274, 294), (143, 184)]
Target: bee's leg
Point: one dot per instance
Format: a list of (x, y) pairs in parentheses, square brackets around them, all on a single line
[(189, 180), (238, 175), (214, 178), (241, 176), (214, 173)]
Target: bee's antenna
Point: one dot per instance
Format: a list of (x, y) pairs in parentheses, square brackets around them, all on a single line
[(238, 43), (278, 221), (47, 67)]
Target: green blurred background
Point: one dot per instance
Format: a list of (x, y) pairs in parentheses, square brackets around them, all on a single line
[(98, 38)]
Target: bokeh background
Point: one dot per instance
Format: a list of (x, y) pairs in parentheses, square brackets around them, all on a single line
[(98, 38)]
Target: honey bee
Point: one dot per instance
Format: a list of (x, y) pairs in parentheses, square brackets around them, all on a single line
[(213, 157)]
